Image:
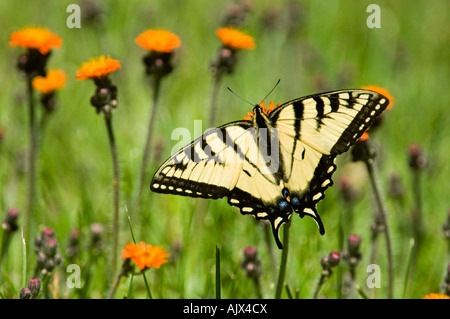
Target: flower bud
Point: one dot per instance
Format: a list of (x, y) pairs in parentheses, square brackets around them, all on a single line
[(417, 160), (72, 245), (41, 260), (49, 247), (354, 242), (333, 258), (96, 231), (362, 150), (396, 188), (158, 64), (25, 293), (34, 285), (349, 193), (251, 262), (10, 222), (47, 232)]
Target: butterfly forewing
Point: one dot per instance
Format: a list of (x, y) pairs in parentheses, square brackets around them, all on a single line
[(208, 167)]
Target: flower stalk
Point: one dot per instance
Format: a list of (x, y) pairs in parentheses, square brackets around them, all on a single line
[(160, 45), (116, 178), (284, 257), (105, 100), (38, 42), (363, 151), (32, 129), (148, 141), (327, 263)]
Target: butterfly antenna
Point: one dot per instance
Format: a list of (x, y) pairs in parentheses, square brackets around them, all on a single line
[(241, 98), (276, 84)]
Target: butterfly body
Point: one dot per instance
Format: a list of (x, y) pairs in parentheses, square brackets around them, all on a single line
[(279, 161)]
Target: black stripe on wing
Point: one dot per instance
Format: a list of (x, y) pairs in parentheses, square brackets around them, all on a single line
[(375, 105)]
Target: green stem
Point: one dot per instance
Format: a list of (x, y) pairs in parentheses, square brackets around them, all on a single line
[(408, 267), (115, 160), (5, 244), (148, 142), (382, 214), (284, 257), (114, 286), (417, 211), (31, 160), (147, 287), (217, 272), (319, 286), (213, 106), (257, 285)]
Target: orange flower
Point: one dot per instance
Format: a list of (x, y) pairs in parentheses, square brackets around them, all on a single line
[(364, 137), (38, 38), (55, 80), (158, 40), (272, 106), (382, 91), (97, 67), (145, 255), (235, 39), (436, 296)]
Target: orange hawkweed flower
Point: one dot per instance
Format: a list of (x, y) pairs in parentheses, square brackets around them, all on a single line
[(436, 296), (158, 40), (272, 107), (364, 137), (145, 255), (235, 39), (97, 67), (38, 38), (382, 91), (55, 80)]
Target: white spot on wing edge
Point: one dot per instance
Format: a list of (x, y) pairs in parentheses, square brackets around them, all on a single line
[(317, 196), (325, 183)]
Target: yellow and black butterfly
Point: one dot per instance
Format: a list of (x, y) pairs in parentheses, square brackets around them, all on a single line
[(275, 161)]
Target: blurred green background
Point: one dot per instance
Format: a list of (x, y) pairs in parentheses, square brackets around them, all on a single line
[(311, 46)]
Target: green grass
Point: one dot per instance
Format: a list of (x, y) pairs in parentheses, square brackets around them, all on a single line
[(328, 47)]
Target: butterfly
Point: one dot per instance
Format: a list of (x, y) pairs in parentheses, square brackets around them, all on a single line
[(273, 162)]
